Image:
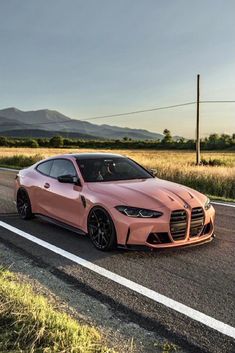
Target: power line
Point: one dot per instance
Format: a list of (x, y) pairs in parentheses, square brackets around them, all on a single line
[(153, 109), (141, 111), (124, 113), (217, 101), (109, 116)]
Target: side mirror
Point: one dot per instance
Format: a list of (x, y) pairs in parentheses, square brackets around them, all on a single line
[(153, 172), (69, 179)]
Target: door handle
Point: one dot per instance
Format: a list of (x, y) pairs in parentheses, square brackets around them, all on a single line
[(46, 185)]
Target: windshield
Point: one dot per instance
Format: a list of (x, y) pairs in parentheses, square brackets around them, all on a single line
[(111, 169)]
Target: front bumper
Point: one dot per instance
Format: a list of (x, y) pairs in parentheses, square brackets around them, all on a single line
[(159, 233)]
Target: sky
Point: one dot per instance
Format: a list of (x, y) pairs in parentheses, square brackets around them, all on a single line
[(99, 57)]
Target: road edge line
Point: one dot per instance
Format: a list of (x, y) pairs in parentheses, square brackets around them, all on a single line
[(222, 204), (10, 169)]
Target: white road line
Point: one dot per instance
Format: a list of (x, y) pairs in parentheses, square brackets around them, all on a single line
[(157, 297), (9, 169), (223, 204)]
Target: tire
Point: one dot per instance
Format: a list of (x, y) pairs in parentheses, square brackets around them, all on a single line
[(101, 229), (23, 205)]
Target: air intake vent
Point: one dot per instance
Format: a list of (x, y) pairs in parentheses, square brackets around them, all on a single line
[(178, 224), (197, 221), (158, 238)]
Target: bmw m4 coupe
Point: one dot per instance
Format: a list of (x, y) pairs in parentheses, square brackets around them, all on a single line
[(115, 201)]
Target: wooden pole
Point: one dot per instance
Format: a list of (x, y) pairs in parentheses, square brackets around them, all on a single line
[(198, 157)]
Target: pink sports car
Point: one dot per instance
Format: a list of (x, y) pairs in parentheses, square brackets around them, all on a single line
[(115, 201)]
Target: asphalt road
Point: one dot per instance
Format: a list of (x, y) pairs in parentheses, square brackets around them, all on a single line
[(202, 277)]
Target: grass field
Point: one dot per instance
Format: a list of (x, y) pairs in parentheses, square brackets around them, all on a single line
[(29, 323), (178, 166)]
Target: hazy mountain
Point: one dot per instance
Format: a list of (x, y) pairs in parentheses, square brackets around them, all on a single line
[(36, 133), (7, 124), (53, 121)]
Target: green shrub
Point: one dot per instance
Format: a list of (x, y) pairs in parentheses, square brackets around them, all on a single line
[(56, 141), (213, 162), (19, 160), (3, 141), (32, 143)]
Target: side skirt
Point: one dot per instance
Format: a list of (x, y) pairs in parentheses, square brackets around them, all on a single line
[(60, 224)]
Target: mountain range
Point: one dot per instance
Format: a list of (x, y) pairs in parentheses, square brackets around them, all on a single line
[(47, 123)]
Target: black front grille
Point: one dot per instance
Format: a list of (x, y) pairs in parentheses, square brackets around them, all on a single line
[(197, 221), (178, 224)]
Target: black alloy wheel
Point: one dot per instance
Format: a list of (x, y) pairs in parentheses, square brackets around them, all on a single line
[(23, 205), (101, 229)]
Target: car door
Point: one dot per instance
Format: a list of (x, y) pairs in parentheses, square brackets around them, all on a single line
[(42, 176), (62, 201)]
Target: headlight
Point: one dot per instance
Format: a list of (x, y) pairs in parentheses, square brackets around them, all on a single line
[(207, 204), (138, 212)]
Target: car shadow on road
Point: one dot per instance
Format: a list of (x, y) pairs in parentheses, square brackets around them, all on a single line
[(169, 252), (81, 245)]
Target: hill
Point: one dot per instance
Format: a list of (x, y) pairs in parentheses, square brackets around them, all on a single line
[(51, 121), (37, 133)]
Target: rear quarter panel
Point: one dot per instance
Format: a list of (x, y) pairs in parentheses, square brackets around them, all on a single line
[(30, 180)]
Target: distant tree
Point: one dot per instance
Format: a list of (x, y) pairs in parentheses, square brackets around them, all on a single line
[(125, 138), (213, 138), (182, 140), (225, 140), (43, 142), (167, 136), (225, 137), (3, 141), (56, 141), (32, 143)]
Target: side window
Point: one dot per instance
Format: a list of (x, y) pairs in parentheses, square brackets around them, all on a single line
[(62, 167), (44, 167)]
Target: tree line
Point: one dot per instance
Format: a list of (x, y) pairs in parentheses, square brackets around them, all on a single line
[(213, 142)]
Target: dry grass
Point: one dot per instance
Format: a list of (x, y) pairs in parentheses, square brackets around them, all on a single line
[(29, 323), (177, 166)]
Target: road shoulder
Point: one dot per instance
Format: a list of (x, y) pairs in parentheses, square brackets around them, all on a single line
[(121, 334)]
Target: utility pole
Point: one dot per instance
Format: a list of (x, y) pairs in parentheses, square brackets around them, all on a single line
[(198, 157)]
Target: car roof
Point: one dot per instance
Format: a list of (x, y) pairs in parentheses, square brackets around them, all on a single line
[(91, 155), (96, 155)]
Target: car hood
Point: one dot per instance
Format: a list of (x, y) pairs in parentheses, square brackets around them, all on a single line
[(150, 193)]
